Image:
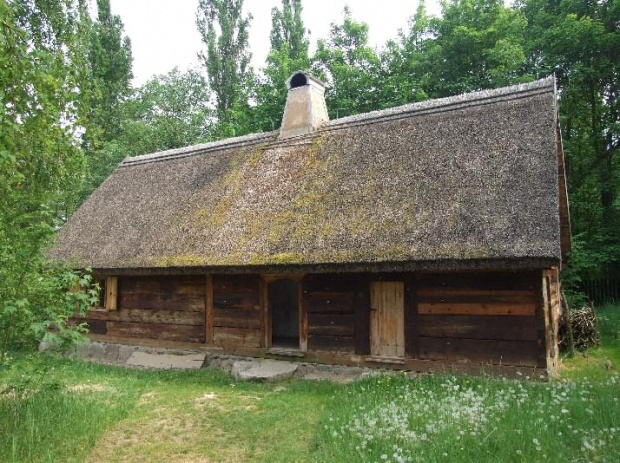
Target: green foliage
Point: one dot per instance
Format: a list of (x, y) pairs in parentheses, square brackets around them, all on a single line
[(169, 111), (403, 77), (104, 92), (288, 53), (579, 42), (110, 71), (476, 44), (224, 32), (350, 67), (41, 167)]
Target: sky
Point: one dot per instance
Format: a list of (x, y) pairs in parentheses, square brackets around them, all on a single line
[(163, 32)]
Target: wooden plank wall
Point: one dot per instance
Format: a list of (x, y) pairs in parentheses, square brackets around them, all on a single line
[(164, 307), (237, 310), (481, 317), (329, 301)]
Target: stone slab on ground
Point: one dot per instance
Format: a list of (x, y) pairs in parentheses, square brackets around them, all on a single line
[(166, 361), (263, 370)]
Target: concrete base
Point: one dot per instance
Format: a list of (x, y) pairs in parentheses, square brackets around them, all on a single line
[(263, 370)]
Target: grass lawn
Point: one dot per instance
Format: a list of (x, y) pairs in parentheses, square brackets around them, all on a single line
[(86, 412)]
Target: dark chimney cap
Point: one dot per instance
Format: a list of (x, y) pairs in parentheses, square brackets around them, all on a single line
[(301, 78)]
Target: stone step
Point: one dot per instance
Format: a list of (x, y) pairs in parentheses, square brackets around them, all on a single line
[(166, 361), (263, 370)]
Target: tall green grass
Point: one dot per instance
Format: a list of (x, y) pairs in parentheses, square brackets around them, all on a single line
[(55, 425), (435, 418), (441, 418), (609, 324), (44, 418)]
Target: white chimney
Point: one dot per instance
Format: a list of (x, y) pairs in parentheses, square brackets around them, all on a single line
[(305, 109)]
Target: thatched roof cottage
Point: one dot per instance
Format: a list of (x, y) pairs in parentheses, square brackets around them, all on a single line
[(425, 236)]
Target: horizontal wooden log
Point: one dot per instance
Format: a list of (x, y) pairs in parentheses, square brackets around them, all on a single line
[(476, 350), (163, 285), (174, 317), (475, 295), (471, 308), (479, 280), (236, 337), (238, 313), (333, 343), (491, 327), (236, 301), (236, 284), (330, 283), (331, 324), (162, 293), (246, 324), (154, 301), (157, 331), (329, 302)]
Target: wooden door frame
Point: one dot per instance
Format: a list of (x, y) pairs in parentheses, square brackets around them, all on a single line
[(266, 280)]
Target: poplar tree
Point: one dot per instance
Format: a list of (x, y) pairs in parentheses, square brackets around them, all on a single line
[(288, 53), (109, 85), (111, 72), (224, 32)]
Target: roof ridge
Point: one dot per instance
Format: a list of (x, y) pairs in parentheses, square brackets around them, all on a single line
[(462, 99), (196, 149), (438, 104)]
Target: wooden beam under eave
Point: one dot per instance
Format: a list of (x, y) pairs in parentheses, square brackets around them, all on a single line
[(209, 329)]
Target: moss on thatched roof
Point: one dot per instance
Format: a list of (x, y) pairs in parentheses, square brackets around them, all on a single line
[(463, 179)]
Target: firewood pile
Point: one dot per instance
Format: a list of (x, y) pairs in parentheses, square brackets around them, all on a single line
[(584, 329)]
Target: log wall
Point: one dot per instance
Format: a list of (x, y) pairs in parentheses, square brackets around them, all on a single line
[(481, 317), (237, 310), (500, 318), (329, 303), (167, 308)]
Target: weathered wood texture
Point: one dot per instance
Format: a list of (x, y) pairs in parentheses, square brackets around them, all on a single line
[(361, 308), (387, 318), (237, 310), (412, 325), (111, 293), (329, 304), (484, 317), (165, 308), (552, 311)]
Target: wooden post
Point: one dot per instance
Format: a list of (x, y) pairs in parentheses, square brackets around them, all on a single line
[(209, 329), (412, 336), (264, 296), (111, 293), (361, 308), (303, 318)]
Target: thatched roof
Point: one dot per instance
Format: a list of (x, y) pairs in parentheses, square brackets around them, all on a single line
[(463, 181)]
